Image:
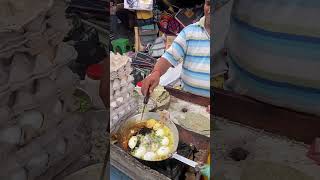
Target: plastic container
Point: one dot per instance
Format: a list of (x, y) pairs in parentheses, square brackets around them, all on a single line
[(138, 88), (92, 84)]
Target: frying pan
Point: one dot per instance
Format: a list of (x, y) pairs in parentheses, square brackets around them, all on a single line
[(124, 135)]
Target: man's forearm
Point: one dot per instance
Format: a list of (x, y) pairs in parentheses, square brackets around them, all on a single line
[(162, 66)]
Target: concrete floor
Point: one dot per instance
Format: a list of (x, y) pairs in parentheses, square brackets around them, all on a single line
[(261, 145)]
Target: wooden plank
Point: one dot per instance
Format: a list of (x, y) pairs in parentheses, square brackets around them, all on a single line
[(295, 125), (202, 101)]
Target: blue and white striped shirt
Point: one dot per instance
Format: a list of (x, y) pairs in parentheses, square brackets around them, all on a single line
[(192, 48), (274, 50)]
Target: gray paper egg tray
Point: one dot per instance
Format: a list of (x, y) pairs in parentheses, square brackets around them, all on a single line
[(70, 132), (23, 16), (115, 124), (38, 71), (121, 91), (32, 96), (49, 27), (121, 72)]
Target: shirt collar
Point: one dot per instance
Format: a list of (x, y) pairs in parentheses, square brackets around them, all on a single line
[(201, 22)]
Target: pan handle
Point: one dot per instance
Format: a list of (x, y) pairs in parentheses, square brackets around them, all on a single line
[(185, 160)]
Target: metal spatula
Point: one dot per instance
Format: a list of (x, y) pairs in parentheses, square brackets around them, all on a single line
[(145, 102)]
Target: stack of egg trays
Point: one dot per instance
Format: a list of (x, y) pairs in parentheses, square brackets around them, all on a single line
[(121, 72), (55, 146), (46, 26), (33, 73), (121, 93), (21, 69), (17, 127)]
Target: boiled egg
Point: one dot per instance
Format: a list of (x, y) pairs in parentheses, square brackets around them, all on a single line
[(156, 126), (163, 151), (150, 156), (140, 152), (160, 132), (151, 123), (165, 141), (133, 142)]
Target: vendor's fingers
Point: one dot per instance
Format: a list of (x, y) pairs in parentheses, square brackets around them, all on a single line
[(200, 164), (145, 86), (153, 85)]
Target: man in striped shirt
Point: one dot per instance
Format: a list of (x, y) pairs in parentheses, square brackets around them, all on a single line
[(273, 52), (192, 48)]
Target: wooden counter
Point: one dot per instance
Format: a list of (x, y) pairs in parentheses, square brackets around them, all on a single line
[(299, 126)]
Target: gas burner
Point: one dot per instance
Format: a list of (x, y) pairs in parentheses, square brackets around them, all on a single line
[(192, 145), (238, 154)]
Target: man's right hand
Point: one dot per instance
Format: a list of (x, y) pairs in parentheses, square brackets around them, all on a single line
[(150, 82)]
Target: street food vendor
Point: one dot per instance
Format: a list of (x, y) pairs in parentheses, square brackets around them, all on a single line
[(273, 53), (192, 48)]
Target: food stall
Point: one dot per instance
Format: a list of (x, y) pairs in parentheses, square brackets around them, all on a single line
[(191, 137), (135, 52)]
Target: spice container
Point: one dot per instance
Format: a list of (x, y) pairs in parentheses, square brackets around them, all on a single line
[(92, 84)]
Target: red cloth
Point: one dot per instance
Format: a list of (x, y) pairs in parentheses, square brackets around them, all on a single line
[(95, 71)]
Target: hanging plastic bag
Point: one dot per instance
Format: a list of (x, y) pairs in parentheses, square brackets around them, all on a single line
[(139, 4), (169, 25)]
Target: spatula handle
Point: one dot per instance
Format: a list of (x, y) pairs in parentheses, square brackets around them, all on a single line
[(146, 98), (185, 160)]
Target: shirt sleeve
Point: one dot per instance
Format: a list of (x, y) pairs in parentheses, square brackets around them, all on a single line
[(177, 51)]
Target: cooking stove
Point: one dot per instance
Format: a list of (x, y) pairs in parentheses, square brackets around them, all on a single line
[(193, 146)]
